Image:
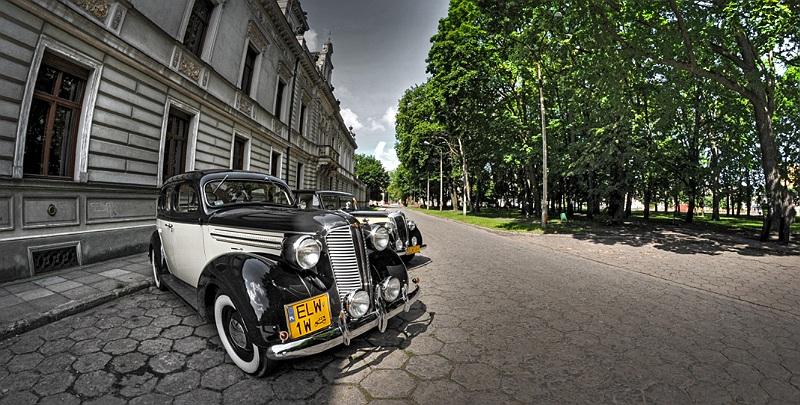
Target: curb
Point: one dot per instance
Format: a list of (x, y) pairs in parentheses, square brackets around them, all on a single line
[(70, 308)]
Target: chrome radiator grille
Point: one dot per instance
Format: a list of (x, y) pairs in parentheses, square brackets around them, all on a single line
[(402, 232), (344, 261)]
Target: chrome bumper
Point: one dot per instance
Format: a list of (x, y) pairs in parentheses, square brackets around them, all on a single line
[(341, 334)]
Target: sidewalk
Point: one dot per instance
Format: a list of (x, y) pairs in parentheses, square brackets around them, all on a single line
[(30, 303)]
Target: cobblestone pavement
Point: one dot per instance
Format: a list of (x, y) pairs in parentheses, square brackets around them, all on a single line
[(503, 319)]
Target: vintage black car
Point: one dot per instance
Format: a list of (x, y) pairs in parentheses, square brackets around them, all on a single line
[(406, 239), (279, 282)]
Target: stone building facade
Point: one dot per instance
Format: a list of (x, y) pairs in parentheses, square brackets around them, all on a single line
[(102, 100)]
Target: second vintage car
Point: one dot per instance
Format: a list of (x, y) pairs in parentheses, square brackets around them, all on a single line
[(406, 238), (278, 282)]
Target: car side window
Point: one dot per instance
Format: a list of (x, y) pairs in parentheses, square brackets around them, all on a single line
[(187, 201)]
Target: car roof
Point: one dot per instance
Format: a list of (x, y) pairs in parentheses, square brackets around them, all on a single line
[(198, 175), (334, 192)]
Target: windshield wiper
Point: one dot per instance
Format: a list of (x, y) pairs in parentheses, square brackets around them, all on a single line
[(220, 184)]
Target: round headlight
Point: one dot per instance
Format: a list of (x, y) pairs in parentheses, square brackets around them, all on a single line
[(357, 303), (306, 252), (398, 245), (379, 237), (414, 241), (390, 289), (411, 225)]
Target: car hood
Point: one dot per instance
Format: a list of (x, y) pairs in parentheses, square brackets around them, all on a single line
[(281, 219), (369, 214)]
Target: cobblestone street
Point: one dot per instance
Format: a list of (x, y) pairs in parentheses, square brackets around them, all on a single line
[(502, 319)]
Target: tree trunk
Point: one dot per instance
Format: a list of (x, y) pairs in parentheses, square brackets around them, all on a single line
[(628, 205), (690, 208), (677, 212), (728, 203), (780, 203)]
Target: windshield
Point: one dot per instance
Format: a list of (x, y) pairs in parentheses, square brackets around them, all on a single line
[(339, 202), (225, 192)]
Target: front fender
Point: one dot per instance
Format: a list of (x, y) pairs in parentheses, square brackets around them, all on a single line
[(259, 288), (418, 234), (387, 263)]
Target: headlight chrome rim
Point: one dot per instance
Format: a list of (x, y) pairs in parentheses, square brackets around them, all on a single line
[(307, 252), (379, 237), (390, 289), (357, 303), (411, 225)]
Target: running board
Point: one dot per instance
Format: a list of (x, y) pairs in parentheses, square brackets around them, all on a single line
[(181, 289)]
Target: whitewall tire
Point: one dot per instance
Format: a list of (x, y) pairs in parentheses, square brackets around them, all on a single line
[(230, 328), (156, 263)]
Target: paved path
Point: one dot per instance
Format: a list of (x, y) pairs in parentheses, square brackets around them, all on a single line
[(503, 319), (37, 300)]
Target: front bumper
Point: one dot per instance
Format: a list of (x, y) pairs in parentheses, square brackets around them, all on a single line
[(345, 331)]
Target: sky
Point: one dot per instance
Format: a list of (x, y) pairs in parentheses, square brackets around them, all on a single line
[(379, 51)]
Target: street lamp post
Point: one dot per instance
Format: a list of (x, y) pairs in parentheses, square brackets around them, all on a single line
[(544, 146)]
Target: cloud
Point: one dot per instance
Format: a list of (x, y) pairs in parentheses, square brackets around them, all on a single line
[(387, 157), (311, 40), (389, 116), (375, 125), (351, 119)]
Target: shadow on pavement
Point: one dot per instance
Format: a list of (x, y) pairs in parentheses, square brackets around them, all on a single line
[(686, 241), (418, 261)]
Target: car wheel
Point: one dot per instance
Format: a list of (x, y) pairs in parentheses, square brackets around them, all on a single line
[(407, 258), (231, 329), (156, 263)]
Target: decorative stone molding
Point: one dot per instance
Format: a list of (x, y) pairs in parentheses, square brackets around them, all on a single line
[(256, 37), (97, 8), (244, 104), (189, 68), (187, 65), (115, 22)]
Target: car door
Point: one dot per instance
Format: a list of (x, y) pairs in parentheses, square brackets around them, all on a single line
[(187, 235), (165, 225)]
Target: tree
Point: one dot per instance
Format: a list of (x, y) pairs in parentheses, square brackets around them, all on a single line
[(371, 172), (737, 44)]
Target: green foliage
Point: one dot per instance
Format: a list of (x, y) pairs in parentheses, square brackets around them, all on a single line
[(371, 172), (652, 100)]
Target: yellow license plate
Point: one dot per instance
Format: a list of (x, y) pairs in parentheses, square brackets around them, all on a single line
[(412, 250), (307, 316)]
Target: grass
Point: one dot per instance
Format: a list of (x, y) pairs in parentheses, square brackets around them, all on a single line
[(512, 221), (508, 221)]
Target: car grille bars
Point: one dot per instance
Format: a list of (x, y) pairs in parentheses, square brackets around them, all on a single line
[(344, 260), (402, 232)]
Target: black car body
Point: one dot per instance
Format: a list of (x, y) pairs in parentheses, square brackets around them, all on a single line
[(278, 281), (406, 236)]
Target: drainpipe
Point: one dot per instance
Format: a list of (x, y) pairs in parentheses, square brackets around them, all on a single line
[(291, 115)]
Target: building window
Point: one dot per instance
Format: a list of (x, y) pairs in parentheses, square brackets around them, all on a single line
[(239, 153), (175, 144), (52, 132), (198, 25), (279, 99), (301, 175), (275, 164), (302, 124), (248, 69)]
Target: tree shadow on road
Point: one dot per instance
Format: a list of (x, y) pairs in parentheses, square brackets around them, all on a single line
[(685, 241)]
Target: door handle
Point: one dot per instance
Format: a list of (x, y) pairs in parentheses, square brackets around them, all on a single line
[(168, 225)]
